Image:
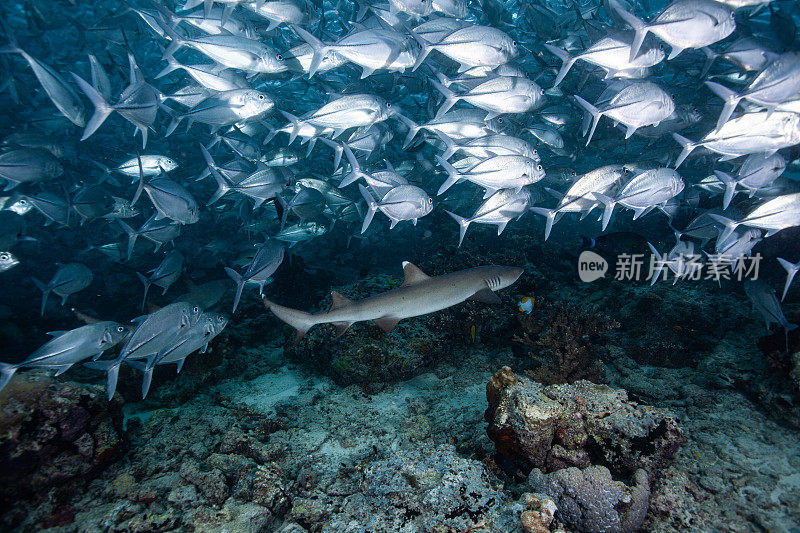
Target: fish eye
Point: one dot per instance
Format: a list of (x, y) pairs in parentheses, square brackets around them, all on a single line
[(4, 257), (500, 120), (660, 46), (196, 309), (539, 168), (260, 96), (280, 57), (388, 104), (430, 201), (120, 329)]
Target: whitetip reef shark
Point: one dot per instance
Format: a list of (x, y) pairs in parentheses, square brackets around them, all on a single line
[(419, 294)]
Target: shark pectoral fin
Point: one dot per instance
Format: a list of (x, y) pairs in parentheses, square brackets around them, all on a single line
[(341, 328), (62, 369), (412, 274), (337, 301), (387, 324), (486, 296)]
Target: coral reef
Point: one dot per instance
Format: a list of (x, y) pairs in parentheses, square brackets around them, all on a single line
[(582, 424), (54, 435), (590, 500), (565, 341)]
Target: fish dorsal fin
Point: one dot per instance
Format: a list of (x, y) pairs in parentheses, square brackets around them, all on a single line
[(337, 300), (413, 274)]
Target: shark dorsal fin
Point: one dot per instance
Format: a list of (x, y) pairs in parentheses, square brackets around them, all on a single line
[(413, 274), (337, 301)]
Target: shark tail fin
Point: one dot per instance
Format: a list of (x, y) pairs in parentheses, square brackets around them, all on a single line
[(299, 320), (6, 373), (372, 207), (463, 224), (239, 280), (791, 271)]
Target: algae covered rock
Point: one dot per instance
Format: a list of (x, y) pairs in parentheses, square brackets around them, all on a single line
[(54, 434), (424, 489), (578, 425), (590, 499)]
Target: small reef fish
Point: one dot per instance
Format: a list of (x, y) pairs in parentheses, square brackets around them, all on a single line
[(525, 305)]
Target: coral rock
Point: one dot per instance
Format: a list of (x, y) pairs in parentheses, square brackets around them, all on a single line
[(582, 424), (590, 499), (54, 433)]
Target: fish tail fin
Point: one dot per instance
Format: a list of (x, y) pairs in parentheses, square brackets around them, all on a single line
[(413, 128), (638, 26), (132, 235), (239, 280), (175, 44), (6, 373), (686, 145), (140, 186), (111, 368), (659, 266), (449, 143), (463, 224), (450, 98), (609, 204), (172, 65), (550, 218), (453, 175), (425, 49), (45, 293), (730, 187), (372, 206), (791, 271), (731, 99), (729, 226), (295, 122), (711, 56), (320, 49), (593, 111), (146, 281), (223, 185), (355, 168), (338, 150), (299, 320), (567, 62), (101, 108)]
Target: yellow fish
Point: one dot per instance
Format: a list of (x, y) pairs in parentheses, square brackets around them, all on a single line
[(472, 333), (526, 305)]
